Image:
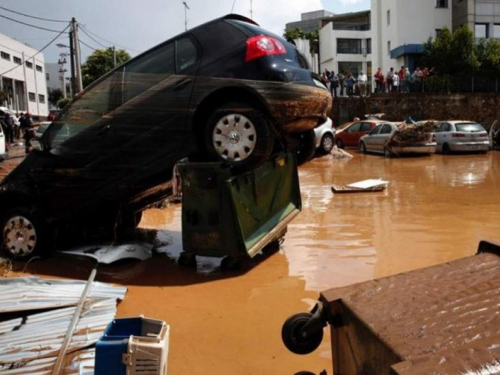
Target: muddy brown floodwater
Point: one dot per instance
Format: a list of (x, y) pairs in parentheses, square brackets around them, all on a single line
[(436, 209)]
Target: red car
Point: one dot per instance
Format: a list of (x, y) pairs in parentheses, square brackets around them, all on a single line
[(349, 135)]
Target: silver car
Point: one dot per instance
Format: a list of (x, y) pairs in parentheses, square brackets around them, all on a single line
[(461, 136), (325, 135), (376, 141)]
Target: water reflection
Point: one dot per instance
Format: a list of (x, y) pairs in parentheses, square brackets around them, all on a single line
[(436, 209)]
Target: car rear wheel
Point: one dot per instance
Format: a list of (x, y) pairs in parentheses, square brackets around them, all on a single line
[(340, 144), (387, 153), (327, 143), (446, 148), (23, 233), (239, 134), (362, 147)]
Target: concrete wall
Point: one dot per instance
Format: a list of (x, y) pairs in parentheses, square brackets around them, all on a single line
[(483, 108)]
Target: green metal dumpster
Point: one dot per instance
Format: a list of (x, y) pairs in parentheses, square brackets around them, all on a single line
[(235, 215)]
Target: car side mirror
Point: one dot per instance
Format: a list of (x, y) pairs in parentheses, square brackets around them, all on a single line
[(35, 143)]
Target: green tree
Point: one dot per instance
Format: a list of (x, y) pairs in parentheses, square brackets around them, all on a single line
[(438, 53), (4, 96), (291, 35), (488, 53), (464, 52), (100, 63), (63, 102), (54, 96), (312, 37)]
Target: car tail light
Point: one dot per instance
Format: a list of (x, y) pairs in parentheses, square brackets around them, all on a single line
[(433, 139), (458, 135), (262, 45)]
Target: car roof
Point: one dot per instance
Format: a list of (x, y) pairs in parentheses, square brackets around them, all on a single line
[(460, 122)]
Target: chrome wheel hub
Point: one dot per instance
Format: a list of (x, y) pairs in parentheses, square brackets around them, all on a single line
[(19, 236), (234, 137)]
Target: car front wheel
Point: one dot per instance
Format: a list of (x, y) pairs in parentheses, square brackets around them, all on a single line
[(362, 147), (327, 143), (22, 233), (239, 134)]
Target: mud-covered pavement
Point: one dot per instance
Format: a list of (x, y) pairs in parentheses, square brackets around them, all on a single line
[(436, 209)]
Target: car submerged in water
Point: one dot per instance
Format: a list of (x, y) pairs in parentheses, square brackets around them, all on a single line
[(224, 91)]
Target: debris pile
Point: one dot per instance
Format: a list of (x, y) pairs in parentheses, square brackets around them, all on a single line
[(412, 133)]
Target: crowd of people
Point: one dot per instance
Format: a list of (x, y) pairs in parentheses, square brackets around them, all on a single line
[(401, 81), (18, 127)]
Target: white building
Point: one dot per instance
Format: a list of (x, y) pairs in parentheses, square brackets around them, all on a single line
[(23, 78), (346, 43), (392, 34), (401, 27)]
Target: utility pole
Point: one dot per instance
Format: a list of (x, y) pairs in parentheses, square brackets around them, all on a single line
[(78, 64), (186, 8), (114, 57), (72, 62), (251, 9)]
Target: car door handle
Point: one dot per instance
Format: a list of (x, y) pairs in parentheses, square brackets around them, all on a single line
[(104, 129), (181, 84)]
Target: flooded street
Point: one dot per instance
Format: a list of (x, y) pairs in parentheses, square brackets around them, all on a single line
[(436, 209)]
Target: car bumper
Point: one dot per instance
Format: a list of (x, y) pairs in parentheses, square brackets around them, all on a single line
[(297, 107), (428, 148), (470, 146)]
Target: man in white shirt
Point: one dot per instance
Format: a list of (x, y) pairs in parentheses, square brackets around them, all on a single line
[(362, 81)]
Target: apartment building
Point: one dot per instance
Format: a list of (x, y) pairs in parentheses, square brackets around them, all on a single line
[(23, 78), (482, 17)]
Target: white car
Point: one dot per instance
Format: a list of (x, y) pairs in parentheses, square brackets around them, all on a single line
[(461, 136), (325, 135), (376, 140)]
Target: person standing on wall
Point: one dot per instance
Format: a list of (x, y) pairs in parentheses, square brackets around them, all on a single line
[(379, 80), (390, 80), (334, 83), (8, 129), (350, 82), (341, 79), (362, 82)]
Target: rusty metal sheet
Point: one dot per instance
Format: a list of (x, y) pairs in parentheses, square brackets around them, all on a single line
[(433, 313)]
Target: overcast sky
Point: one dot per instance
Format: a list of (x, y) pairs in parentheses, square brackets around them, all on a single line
[(141, 24)]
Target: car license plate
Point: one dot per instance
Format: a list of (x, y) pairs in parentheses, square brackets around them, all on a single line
[(473, 147)]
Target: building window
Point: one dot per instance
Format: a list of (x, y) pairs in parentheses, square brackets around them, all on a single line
[(496, 31), (17, 60), (5, 55), (47, 77), (368, 46), (39, 69), (41, 98), (441, 3), (32, 97), (389, 47), (351, 46), (388, 17), (481, 30), (438, 32), (29, 65)]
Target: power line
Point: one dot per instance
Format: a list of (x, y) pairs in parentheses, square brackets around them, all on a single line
[(29, 58), (234, 2), (27, 24), (86, 45), (85, 32), (108, 41), (30, 16)]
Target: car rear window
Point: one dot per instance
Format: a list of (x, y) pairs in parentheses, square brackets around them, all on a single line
[(469, 127)]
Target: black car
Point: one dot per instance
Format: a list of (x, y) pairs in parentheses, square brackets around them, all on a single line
[(227, 90)]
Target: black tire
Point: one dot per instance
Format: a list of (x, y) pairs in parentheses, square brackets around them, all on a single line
[(187, 260), (296, 343), (306, 147), (24, 234), (327, 143), (231, 264), (339, 143), (262, 141), (129, 221), (446, 149), (362, 147)]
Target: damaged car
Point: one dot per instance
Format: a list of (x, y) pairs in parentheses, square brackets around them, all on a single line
[(225, 91)]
